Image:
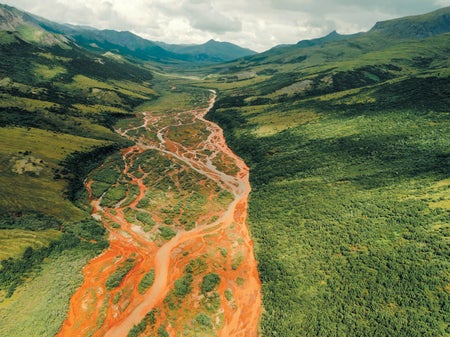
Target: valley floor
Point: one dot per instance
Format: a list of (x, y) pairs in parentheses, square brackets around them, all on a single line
[(180, 258)]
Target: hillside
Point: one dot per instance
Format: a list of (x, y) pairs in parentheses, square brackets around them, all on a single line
[(347, 143), (419, 26), (52, 85), (58, 105)]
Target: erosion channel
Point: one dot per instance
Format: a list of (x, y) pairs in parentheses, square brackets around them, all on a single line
[(180, 260)]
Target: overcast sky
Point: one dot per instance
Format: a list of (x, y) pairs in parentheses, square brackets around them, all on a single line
[(255, 24)]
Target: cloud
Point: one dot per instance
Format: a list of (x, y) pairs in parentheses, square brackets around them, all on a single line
[(326, 6), (203, 15), (254, 24)]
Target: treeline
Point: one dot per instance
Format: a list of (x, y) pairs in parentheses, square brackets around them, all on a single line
[(78, 164), (32, 221), (14, 272)]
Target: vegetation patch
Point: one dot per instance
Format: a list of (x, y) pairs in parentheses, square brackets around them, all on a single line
[(148, 321), (210, 282), (146, 282), (46, 295), (345, 209), (39, 154), (116, 278), (114, 195), (167, 233)]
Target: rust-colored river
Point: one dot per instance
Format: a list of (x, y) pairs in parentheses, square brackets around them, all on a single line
[(197, 206)]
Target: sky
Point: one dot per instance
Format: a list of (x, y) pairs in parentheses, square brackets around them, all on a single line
[(254, 24)]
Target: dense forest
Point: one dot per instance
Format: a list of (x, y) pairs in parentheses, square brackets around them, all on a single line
[(349, 159)]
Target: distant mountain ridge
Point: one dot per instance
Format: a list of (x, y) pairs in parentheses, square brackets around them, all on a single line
[(212, 49), (381, 35), (417, 26), (333, 36), (122, 42)]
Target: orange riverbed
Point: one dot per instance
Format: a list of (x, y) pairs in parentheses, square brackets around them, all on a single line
[(220, 239)]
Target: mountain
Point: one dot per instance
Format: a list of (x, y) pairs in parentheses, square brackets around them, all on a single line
[(333, 36), (13, 20), (418, 26), (111, 41), (211, 50), (127, 43)]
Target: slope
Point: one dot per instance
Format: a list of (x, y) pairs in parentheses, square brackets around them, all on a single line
[(347, 143), (58, 103)]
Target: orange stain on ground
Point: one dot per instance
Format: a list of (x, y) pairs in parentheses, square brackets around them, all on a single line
[(220, 239)]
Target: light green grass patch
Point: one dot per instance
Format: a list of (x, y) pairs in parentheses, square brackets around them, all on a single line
[(6, 38), (52, 57), (41, 192), (83, 82), (135, 87), (47, 73), (7, 101), (30, 33), (277, 121), (13, 242), (98, 108), (127, 88)]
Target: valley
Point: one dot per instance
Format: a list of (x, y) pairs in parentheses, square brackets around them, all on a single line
[(155, 190), (180, 174)]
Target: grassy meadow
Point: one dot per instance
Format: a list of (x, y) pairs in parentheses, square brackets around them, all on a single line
[(38, 308)]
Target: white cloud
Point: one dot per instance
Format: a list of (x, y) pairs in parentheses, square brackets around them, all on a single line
[(256, 24), (203, 15)]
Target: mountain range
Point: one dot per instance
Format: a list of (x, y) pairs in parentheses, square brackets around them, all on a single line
[(119, 42)]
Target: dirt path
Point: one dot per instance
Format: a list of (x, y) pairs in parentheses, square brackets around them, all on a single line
[(200, 198)]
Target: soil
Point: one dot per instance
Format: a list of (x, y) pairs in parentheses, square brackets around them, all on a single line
[(218, 243)]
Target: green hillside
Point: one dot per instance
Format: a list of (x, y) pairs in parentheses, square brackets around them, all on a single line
[(348, 144), (58, 105)]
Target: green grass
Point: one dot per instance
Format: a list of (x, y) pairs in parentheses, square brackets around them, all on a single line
[(31, 192), (38, 308), (32, 34), (48, 73), (13, 242)]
